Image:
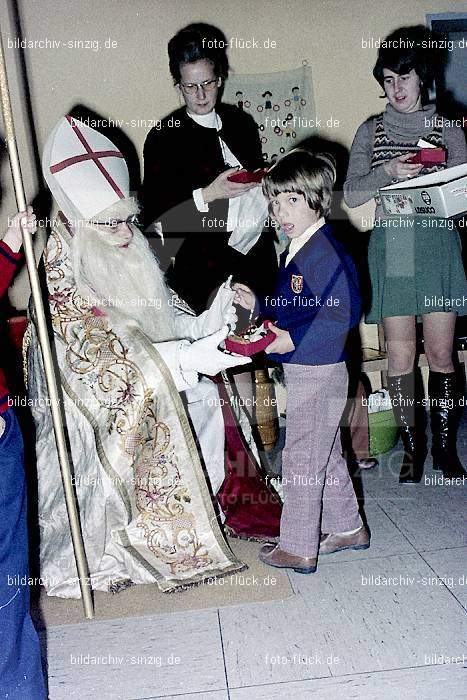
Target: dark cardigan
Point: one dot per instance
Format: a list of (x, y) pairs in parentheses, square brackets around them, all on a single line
[(179, 159)]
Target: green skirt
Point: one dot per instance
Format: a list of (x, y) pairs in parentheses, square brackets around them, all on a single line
[(415, 268)]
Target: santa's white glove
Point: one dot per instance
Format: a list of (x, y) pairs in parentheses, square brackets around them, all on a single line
[(221, 312), (203, 356)]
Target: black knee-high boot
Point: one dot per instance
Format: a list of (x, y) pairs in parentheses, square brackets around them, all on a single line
[(410, 418), (444, 409)]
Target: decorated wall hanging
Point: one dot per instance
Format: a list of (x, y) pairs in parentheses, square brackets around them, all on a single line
[(281, 104)]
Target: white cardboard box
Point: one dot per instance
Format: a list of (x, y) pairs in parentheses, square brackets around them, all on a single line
[(442, 194)]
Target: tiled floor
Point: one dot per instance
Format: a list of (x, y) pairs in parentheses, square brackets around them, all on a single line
[(384, 623)]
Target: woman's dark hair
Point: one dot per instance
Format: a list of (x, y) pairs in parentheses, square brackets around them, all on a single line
[(406, 49), (197, 42)]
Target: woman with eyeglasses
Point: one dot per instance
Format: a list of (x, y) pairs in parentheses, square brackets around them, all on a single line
[(188, 159)]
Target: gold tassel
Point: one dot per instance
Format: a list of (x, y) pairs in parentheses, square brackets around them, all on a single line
[(266, 409), (27, 338)]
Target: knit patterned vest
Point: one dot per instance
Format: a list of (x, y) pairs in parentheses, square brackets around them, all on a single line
[(384, 148)]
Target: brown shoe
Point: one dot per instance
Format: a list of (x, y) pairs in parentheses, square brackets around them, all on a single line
[(338, 542), (273, 556)]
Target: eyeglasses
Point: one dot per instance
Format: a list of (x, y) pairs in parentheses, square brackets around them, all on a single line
[(207, 85), (113, 224)]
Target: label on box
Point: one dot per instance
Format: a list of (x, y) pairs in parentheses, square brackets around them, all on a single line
[(459, 191), (441, 194), (398, 203)]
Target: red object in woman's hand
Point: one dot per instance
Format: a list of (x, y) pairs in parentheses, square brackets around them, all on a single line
[(246, 347), (429, 156), (245, 176)]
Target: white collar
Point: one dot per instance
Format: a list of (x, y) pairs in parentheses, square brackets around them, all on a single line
[(297, 243), (209, 121)]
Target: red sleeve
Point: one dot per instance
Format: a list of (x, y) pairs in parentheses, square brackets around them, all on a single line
[(8, 264)]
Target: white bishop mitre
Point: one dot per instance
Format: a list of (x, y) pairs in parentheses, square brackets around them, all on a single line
[(85, 172)]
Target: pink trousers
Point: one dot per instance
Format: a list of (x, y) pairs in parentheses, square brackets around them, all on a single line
[(318, 493)]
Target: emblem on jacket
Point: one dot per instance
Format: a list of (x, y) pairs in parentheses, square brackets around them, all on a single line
[(296, 283)]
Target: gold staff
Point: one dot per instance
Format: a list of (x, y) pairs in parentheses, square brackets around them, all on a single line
[(76, 536)]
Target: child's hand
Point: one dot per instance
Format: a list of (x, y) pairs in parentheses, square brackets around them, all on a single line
[(244, 296), (283, 342), (13, 237)]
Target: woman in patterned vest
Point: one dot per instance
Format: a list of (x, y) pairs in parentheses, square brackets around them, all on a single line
[(415, 263)]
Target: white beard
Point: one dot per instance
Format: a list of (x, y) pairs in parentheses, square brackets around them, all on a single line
[(125, 283)]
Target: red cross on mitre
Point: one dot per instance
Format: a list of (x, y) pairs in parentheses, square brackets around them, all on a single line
[(90, 155)]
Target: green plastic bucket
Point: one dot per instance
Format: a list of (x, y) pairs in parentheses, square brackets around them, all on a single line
[(383, 432)]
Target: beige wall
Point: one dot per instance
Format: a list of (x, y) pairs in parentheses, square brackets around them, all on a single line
[(131, 80)]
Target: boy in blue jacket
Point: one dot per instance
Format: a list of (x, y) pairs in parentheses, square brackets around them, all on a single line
[(315, 304)]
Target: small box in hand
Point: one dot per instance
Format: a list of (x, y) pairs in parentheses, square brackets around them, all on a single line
[(251, 342), (244, 176), (429, 156)]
